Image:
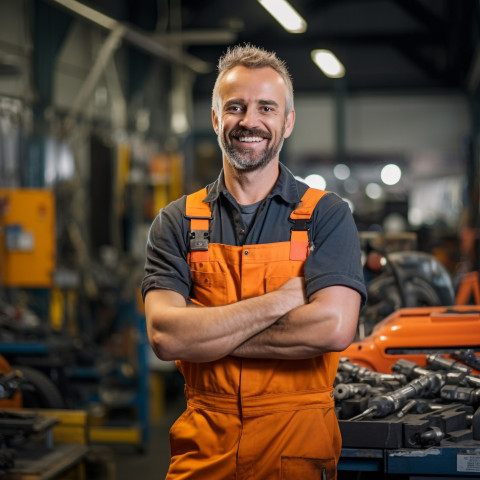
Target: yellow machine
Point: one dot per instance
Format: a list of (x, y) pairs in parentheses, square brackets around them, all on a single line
[(27, 237)]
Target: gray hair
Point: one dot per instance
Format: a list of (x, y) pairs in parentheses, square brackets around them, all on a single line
[(251, 57)]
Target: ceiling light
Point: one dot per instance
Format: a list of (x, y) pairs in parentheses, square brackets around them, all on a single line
[(316, 181), (328, 63), (285, 15), (391, 174), (341, 171), (374, 191)]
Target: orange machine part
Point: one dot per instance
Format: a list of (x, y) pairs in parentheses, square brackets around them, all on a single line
[(27, 237), (16, 400), (412, 333), (469, 289)]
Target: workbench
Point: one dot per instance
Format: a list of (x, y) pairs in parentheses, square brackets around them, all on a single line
[(62, 461), (54, 445)]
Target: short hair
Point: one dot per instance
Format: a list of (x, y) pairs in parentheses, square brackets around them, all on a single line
[(251, 57)]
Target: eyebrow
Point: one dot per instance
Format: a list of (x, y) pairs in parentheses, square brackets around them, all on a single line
[(234, 101), (239, 101), (268, 102)]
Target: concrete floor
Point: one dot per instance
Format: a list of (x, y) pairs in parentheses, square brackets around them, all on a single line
[(152, 464), (126, 462)]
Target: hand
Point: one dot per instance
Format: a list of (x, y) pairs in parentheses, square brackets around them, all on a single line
[(293, 292)]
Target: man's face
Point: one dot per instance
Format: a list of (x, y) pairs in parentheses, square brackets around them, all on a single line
[(251, 124)]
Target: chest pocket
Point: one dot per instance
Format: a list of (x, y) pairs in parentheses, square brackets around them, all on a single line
[(209, 288)]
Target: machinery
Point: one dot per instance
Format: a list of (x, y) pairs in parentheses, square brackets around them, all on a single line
[(413, 333), (415, 420), (414, 385), (405, 279), (27, 237), (10, 395), (84, 338), (414, 407), (23, 386)]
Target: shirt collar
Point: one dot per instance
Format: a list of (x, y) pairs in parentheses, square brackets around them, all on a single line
[(286, 187)]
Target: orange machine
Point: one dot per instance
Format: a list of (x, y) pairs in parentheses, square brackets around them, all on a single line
[(413, 333), (27, 237), (469, 289), (8, 401)]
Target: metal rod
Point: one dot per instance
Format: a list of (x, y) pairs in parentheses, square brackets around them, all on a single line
[(145, 42)]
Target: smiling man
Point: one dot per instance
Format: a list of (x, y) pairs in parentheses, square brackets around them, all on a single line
[(253, 285)]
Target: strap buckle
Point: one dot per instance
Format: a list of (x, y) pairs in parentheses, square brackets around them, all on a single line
[(301, 224), (199, 240)]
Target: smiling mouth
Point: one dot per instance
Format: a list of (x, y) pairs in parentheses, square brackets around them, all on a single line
[(249, 136), (250, 139)]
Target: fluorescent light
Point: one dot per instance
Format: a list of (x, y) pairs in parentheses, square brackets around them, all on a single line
[(328, 63), (285, 15)]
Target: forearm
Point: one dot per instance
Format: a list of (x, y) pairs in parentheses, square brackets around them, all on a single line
[(326, 324), (177, 331), (292, 336)]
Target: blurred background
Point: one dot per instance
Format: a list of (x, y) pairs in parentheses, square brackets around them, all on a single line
[(105, 118)]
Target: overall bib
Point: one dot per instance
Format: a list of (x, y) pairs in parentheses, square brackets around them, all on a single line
[(262, 419)]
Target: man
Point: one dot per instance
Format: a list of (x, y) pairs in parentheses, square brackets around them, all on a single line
[(251, 285)]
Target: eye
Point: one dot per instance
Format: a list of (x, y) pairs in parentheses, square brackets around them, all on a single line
[(234, 108), (267, 109)]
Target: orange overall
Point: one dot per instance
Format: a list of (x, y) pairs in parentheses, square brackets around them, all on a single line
[(263, 419)]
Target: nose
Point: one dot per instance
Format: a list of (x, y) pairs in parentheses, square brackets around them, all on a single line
[(250, 118)]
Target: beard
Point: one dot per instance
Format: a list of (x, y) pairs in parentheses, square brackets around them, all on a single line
[(248, 159)]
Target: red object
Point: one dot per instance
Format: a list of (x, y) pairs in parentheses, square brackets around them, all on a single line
[(16, 400)]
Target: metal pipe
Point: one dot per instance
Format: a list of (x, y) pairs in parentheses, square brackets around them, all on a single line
[(145, 42)]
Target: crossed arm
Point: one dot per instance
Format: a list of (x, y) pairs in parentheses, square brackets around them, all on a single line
[(278, 324)]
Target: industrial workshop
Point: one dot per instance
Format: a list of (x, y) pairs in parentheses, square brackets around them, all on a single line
[(239, 240)]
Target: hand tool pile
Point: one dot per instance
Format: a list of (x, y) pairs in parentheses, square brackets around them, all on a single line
[(412, 407)]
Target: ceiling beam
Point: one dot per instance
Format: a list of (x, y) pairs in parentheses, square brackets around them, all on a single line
[(423, 15), (198, 37), (146, 42)]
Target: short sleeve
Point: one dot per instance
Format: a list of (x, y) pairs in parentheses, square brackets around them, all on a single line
[(166, 252), (335, 258)]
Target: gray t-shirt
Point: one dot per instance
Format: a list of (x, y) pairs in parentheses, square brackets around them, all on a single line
[(248, 213)]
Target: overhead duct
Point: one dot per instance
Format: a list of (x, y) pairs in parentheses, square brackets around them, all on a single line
[(147, 43)]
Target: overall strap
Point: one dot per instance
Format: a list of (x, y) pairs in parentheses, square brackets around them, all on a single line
[(200, 215), (299, 242)]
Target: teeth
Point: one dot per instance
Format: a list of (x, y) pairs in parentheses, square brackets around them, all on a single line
[(250, 139)]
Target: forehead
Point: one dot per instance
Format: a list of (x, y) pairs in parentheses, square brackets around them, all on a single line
[(253, 84)]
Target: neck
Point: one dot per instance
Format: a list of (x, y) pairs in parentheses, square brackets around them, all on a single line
[(250, 187)]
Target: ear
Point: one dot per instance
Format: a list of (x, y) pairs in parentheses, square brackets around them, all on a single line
[(215, 121), (289, 122)]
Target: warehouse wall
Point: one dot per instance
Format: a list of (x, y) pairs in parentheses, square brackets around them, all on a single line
[(15, 45), (374, 123)]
